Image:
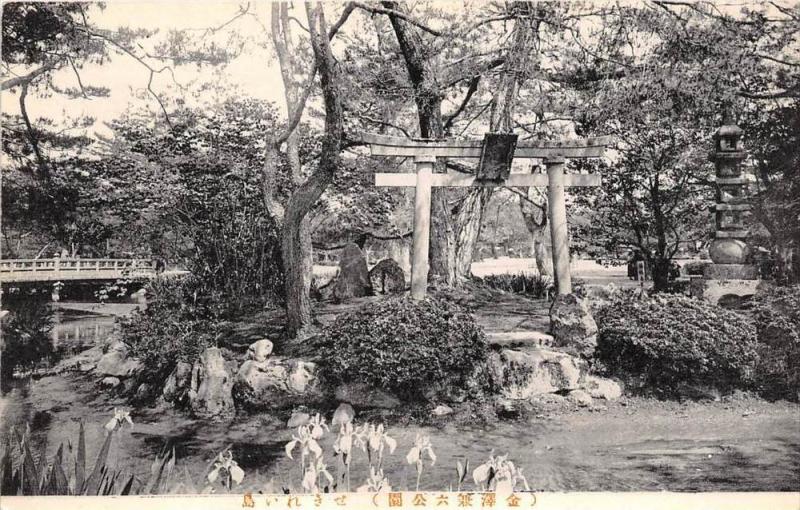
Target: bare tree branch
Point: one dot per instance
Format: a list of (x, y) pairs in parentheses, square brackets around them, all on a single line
[(402, 15), (32, 137), (473, 87), (129, 52), (28, 78), (380, 122), (78, 76)]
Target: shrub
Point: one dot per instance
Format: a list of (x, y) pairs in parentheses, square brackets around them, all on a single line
[(26, 333), (695, 268), (664, 343), (406, 347), (777, 319), (236, 246), (177, 325), (533, 285)]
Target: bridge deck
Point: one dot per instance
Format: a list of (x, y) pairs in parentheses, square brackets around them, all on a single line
[(63, 269)]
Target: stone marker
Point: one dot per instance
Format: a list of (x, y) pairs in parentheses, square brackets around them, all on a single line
[(353, 279), (572, 325), (260, 350), (387, 277), (211, 384)]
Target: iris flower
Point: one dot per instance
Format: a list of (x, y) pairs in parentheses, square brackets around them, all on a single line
[(120, 416), (228, 467)]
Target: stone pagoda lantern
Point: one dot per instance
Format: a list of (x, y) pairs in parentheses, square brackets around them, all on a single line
[(731, 277)]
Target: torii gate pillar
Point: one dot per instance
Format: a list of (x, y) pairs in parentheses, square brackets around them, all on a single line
[(422, 226), (559, 234), (425, 153)]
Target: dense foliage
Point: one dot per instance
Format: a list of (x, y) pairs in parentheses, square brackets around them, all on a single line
[(773, 137), (177, 325), (407, 347), (67, 472), (777, 319), (26, 333), (532, 285), (668, 343)]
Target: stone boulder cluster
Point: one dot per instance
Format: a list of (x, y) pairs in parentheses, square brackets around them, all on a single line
[(112, 364), (355, 279), (526, 375), (215, 386), (212, 386), (555, 363), (266, 382)]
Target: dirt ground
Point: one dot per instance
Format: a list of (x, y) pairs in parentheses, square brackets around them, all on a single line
[(634, 444)]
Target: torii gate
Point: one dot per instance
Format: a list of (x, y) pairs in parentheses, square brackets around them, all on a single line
[(553, 152)]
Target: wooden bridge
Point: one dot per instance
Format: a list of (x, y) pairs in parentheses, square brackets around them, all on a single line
[(69, 269)]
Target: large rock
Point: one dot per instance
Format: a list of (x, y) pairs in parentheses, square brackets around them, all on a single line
[(442, 410), (259, 350), (525, 374), (85, 361), (178, 383), (597, 387), (362, 395), (353, 279), (210, 387), (387, 277), (110, 382), (117, 363), (276, 383), (572, 326)]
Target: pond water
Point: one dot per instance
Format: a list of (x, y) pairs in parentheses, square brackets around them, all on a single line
[(637, 445)]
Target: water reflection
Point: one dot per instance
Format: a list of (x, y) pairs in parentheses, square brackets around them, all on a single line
[(74, 331)]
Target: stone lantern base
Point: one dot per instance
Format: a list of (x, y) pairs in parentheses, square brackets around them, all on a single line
[(727, 285)]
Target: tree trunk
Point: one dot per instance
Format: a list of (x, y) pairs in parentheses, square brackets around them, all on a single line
[(660, 270), (298, 267), (542, 253), (454, 230), (469, 218), (659, 262), (296, 236), (533, 206)]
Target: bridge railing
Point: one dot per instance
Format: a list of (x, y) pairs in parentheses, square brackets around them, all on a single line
[(76, 265)]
